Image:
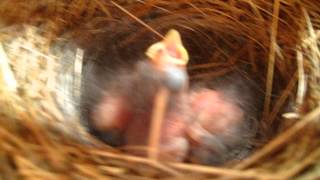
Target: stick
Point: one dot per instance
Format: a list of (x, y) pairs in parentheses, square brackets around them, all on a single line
[(158, 112)]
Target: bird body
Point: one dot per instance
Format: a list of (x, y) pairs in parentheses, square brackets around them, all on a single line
[(208, 124), (123, 114), (224, 119)]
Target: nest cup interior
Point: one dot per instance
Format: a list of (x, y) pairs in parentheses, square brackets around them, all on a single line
[(215, 49), (255, 39)]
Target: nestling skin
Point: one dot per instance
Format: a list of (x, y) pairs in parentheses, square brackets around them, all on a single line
[(129, 111), (123, 115), (213, 112), (212, 123), (222, 127)]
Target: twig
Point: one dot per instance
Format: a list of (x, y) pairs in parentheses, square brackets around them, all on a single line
[(302, 165), (313, 43), (231, 60), (158, 112), (302, 83), (27, 168), (11, 137), (136, 159), (271, 62), (280, 102), (89, 170), (281, 139), (137, 19), (211, 74), (103, 8), (53, 152), (223, 171), (188, 167), (6, 72)]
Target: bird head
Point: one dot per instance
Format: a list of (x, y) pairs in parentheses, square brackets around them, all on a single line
[(169, 51)]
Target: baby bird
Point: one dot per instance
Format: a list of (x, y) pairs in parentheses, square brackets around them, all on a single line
[(213, 122), (123, 115), (224, 120)]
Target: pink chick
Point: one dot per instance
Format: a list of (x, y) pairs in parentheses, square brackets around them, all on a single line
[(223, 121), (123, 116)]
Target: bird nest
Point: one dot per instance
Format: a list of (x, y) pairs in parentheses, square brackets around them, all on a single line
[(41, 53)]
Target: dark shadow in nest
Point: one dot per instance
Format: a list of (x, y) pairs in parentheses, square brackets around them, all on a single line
[(216, 57)]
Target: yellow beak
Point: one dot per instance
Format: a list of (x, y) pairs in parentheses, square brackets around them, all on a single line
[(169, 50)]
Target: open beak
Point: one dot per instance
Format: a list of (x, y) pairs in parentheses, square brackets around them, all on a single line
[(169, 51)]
